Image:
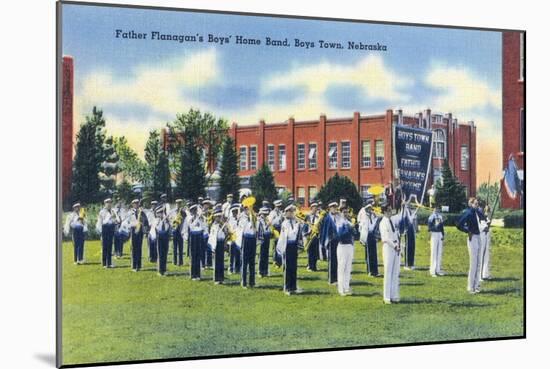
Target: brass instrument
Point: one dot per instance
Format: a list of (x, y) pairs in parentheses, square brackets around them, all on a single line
[(249, 203), (138, 225), (315, 229), (178, 219), (82, 214)]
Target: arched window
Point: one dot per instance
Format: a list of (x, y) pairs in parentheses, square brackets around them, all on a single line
[(439, 139)]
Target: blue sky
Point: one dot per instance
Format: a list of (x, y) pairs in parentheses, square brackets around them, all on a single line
[(142, 84)]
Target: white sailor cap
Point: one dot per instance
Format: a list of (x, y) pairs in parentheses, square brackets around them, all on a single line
[(235, 207), (163, 195), (193, 207), (278, 202), (264, 210), (313, 204), (154, 202), (290, 208), (108, 199), (333, 204), (159, 210), (76, 204), (179, 201), (135, 201), (230, 195), (217, 213)]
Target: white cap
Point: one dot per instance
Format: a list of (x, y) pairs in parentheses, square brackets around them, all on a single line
[(108, 199), (76, 204), (290, 208), (277, 202), (332, 204)]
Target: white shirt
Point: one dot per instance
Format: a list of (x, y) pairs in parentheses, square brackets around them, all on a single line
[(216, 234), (105, 217), (72, 221), (388, 235), (275, 217), (246, 225), (289, 233)]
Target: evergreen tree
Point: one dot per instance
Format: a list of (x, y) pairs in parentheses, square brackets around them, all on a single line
[(124, 191), (130, 164), (110, 166), (157, 179), (229, 178), (190, 175), (263, 185), (88, 160), (449, 191), (341, 187)]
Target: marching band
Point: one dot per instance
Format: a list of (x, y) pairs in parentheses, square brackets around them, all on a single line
[(212, 230)]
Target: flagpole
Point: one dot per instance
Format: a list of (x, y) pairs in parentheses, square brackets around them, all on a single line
[(497, 197)]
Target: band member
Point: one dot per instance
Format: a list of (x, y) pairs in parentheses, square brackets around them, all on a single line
[(332, 246), (485, 241), (312, 219), (122, 232), (287, 245), (247, 237), (152, 243), (234, 248), (264, 236), (276, 218), (411, 227), (138, 222), (469, 223), (162, 229), (177, 217), (164, 203), (344, 229), (195, 230), (206, 255), (437, 234), (76, 224), (106, 223), (391, 249), (216, 239), (226, 207), (368, 222)]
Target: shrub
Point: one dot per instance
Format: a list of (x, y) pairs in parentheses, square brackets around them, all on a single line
[(514, 219)]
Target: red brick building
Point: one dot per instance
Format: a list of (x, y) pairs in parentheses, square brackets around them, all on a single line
[(67, 77), (513, 106), (304, 155)]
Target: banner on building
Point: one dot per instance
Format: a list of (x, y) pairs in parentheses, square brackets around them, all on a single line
[(412, 153)]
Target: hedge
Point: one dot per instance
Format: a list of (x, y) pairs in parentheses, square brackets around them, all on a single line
[(514, 219)]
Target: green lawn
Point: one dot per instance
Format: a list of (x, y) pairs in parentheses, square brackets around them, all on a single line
[(114, 315)]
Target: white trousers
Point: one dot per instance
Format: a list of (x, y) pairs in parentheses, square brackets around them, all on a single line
[(391, 273), (474, 249), (485, 254), (344, 254), (436, 255)]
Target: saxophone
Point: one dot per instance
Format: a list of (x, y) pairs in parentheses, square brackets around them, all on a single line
[(138, 225), (315, 229), (178, 219)]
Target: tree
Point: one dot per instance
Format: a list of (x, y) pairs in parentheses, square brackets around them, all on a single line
[(488, 193), (341, 187), (157, 179), (110, 166), (449, 191), (88, 159), (190, 176), (131, 165), (229, 178), (263, 185), (124, 191)]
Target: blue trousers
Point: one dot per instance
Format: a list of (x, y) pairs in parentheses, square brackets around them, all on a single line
[(120, 239), (332, 261), (248, 273), (277, 259), (137, 242), (264, 255), (207, 253), (177, 243), (371, 256), (163, 243), (78, 242), (291, 266), (153, 255), (313, 253), (107, 236), (196, 241), (411, 246), (235, 258), (219, 261)]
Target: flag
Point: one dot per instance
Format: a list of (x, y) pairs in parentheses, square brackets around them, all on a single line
[(512, 183)]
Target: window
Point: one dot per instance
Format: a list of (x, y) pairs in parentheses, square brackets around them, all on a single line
[(253, 157), (312, 156), (464, 157), (282, 157), (301, 195), (311, 194), (365, 192), (243, 161), (365, 154), (301, 156), (271, 157), (439, 144), (346, 154), (379, 153), (438, 176), (333, 155), (521, 56)]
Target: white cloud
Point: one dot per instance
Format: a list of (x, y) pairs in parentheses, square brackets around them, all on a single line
[(462, 90), (370, 75)]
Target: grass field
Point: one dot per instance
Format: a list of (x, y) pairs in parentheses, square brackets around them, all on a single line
[(114, 315)]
